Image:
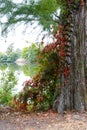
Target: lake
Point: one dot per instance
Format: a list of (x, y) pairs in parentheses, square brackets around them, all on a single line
[(23, 73)]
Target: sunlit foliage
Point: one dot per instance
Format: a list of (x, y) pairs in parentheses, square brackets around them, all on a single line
[(7, 83)]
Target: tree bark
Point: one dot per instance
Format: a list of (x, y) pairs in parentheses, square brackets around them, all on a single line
[(73, 94), (79, 47), (86, 49)]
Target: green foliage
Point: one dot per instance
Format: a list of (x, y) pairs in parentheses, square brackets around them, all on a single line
[(10, 56), (30, 69), (32, 11), (11, 66), (30, 53), (42, 11), (39, 93), (7, 83), (43, 6), (3, 66), (46, 13), (25, 53), (3, 57)]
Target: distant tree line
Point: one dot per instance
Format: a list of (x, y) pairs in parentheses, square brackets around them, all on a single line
[(11, 55)]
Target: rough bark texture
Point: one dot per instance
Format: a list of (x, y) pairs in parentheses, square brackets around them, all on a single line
[(73, 94), (86, 49), (79, 47)]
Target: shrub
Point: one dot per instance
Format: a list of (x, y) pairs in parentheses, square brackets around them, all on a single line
[(40, 92), (8, 81)]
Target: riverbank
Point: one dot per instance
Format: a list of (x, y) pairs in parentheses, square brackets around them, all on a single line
[(21, 62)]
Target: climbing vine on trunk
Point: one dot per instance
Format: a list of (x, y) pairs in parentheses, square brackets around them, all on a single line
[(60, 82)]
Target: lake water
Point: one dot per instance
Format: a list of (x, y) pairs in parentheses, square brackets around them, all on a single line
[(21, 79), (22, 72)]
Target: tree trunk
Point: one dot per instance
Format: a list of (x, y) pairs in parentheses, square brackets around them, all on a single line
[(73, 94), (86, 49)]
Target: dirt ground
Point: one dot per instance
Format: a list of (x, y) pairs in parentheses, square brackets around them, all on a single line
[(42, 121)]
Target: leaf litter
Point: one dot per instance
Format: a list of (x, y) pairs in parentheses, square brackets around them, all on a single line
[(12, 120)]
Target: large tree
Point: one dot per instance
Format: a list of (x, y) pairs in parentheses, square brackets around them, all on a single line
[(73, 19), (74, 93)]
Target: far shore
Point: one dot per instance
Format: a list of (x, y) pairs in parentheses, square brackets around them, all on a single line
[(21, 61)]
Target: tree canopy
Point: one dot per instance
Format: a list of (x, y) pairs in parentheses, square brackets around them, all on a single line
[(29, 12)]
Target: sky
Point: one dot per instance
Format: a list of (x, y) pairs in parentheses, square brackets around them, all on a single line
[(22, 35), (32, 35), (22, 38), (19, 38)]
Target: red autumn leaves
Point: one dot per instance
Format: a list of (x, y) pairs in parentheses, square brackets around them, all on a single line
[(62, 41)]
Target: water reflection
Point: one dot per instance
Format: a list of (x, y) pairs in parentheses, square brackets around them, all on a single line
[(21, 78), (20, 72), (13, 67)]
